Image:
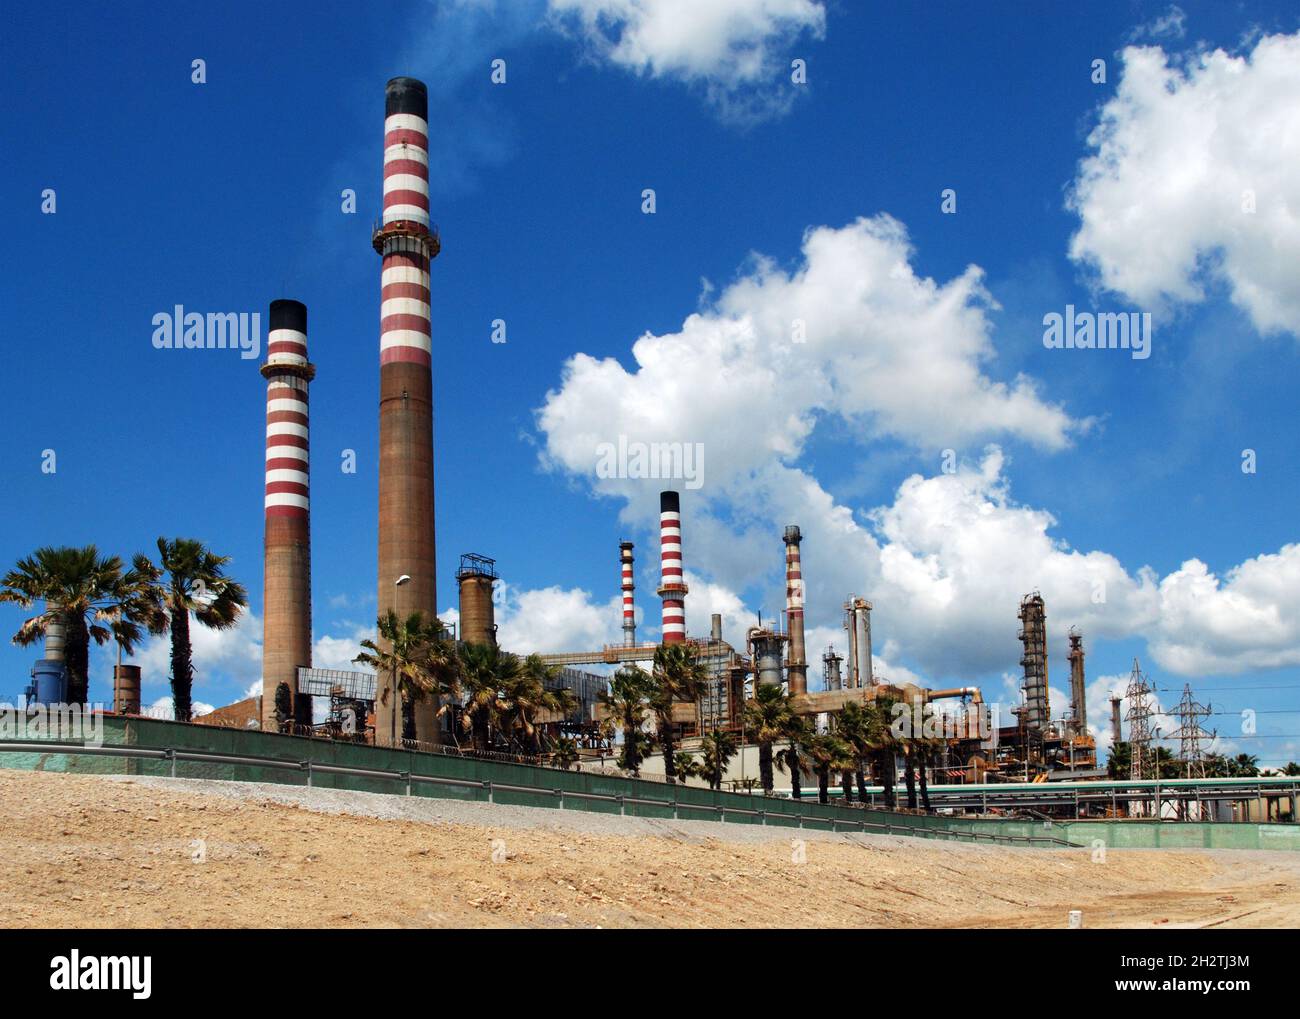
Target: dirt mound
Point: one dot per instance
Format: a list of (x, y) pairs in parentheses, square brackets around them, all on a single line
[(86, 851)]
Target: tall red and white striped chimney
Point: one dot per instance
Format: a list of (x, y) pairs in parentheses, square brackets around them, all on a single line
[(406, 524), (286, 616), (797, 668), (672, 585), (629, 607)]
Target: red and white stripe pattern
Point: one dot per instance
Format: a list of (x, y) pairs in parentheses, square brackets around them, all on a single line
[(404, 326), (793, 584), (629, 607), (286, 438), (406, 169), (672, 585), (405, 333)]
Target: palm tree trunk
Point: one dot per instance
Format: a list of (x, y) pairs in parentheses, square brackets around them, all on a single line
[(846, 783), (925, 791), (765, 765), (76, 658), (909, 774), (182, 664), (862, 783), (796, 787), (480, 731), (666, 742), (888, 768), (823, 785), (427, 729)]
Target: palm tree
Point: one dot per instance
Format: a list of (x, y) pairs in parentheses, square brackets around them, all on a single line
[(283, 706), (565, 755), (685, 765), (884, 745), (626, 704), (827, 753), (678, 677), (1120, 762), (767, 714), (83, 590), (1244, 766), (197, 583), (796, 734), (855, 725), (487, 673), (530, 691), (1291, 768), (719, 747), (419, 654)]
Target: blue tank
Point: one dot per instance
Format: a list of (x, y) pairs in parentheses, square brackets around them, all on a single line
[(49, 683)]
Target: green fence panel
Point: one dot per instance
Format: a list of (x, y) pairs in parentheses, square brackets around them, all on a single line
[(536, 787)]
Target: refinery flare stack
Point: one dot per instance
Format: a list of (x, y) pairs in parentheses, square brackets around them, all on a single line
[(286, 643), (408, 244)]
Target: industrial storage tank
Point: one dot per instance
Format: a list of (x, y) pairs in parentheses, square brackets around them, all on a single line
[(477, 576)]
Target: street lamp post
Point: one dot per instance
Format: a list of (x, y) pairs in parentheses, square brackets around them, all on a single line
[(404, 579)]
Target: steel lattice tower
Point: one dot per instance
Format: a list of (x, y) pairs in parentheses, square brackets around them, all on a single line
[(1190, 733), (1138, 695)]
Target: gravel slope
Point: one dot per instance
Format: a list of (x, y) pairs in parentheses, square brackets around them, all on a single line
[(89, 851)]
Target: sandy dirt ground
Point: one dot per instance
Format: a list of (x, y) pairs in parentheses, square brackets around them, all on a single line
[(83, 851)]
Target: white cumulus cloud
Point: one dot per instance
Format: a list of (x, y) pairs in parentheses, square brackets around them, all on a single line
[(1181, 155), (737, 50)]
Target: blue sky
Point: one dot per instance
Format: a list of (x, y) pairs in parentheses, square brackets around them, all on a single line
[(226, 195)]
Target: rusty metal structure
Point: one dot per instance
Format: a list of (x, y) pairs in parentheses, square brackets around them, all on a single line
[(1078, 697), (126, 689), (1033, 635), (407, 243), (286, 614), (832, 674), (477, 578)]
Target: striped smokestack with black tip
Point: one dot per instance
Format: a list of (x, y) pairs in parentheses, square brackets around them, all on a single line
[(672, 583), (286, 639), (407, 243), (628, 586)]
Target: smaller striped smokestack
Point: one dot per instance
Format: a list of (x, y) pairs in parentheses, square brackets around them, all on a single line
[(286, 642), (672, 585), (629, 585), (797, 669)]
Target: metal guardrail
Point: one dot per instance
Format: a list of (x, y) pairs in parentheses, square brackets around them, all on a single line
[(409, 779)]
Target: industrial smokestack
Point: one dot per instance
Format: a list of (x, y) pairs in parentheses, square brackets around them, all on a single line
[(55, 638), (715, 627), (672, 585), (126, 689), (629, 585), (286, 612), (1078, 705), (1033, 634), (797, 670), (1116, 730), (478, 621), (857, 621), (406, 523)]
